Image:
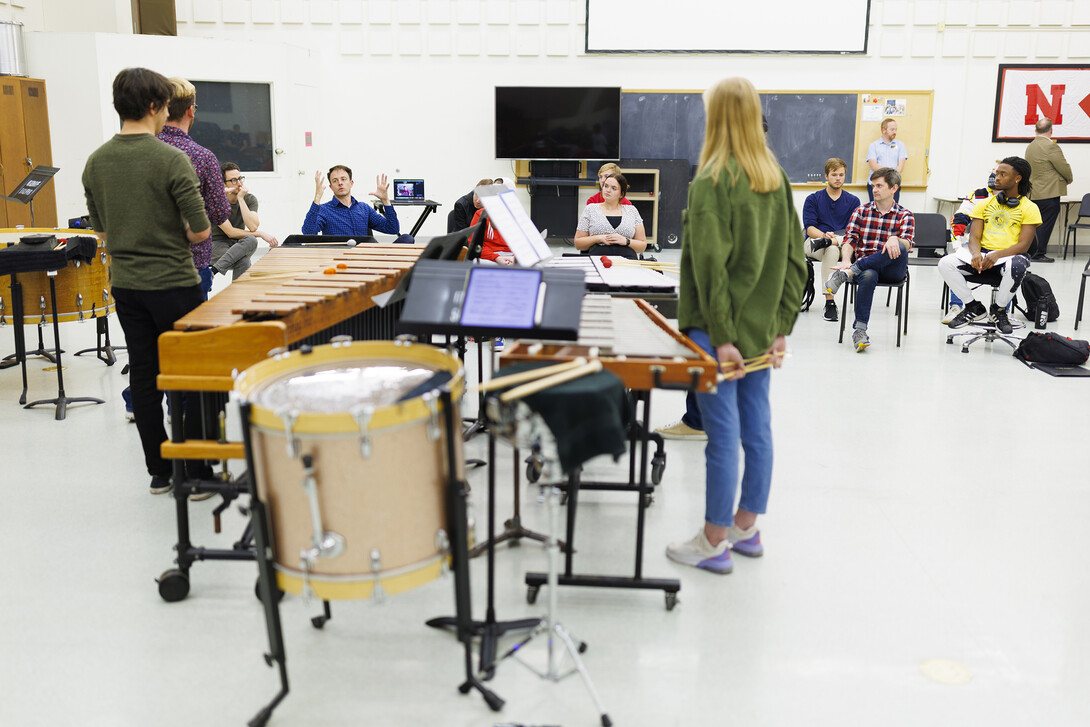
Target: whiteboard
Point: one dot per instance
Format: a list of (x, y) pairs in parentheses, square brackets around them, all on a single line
[(727, 26)]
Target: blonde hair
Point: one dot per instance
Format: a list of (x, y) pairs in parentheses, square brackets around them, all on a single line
[(182, 96), (734, 129), (608, 168)]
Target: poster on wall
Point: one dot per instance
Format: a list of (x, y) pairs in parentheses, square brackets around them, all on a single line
[(1027, 92)]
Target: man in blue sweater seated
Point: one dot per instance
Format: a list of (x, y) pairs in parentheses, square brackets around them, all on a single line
[(344, 214), (825, 216)]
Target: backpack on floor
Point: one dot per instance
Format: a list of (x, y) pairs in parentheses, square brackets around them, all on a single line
[(1052, 348), (808, 292), (1041, 306)]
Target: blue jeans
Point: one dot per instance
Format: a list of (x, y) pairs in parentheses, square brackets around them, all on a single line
[(691, 417), (738, 413), (206, 280), (871, 270)]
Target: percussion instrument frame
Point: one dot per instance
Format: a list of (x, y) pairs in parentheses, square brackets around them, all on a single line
[(61, 401)]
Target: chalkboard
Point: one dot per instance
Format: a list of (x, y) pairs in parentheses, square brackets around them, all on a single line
[(804, 129)]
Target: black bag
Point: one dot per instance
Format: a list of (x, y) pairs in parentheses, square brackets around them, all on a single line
[(1041, 306), (1052, 348)]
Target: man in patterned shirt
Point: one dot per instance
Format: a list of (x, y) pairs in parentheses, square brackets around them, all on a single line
[(1000, 235), (180, 115), (344, 214), (878, 238)]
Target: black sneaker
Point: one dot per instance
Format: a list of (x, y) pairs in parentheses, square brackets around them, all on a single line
[(830, 311), (160, 485), (819, 243), (972, 312), (1042, 259), (999, 317)]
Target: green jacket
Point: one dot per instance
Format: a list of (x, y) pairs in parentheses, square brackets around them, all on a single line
[(742, 267), (140, 192)]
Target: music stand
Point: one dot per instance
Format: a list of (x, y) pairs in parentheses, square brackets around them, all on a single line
[(26, 190), (442, 300)]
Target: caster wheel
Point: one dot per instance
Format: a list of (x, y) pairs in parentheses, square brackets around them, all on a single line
[(671, 601), (173, 585), (965, 349), (318, 622), (257, 592), (582, 647), (647, 500), (533, 470), (658, 466), (531, 594), (950, 339), (464, 688)]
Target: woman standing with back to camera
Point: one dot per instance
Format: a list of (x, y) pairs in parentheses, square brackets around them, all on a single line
[(742, 275)]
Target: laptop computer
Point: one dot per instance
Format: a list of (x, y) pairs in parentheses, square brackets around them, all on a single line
[(408, 190)]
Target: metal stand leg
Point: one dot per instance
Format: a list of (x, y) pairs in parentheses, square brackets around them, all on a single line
[(513, 529), (489, 630), (104, 351), (551, 626), (61, 401)]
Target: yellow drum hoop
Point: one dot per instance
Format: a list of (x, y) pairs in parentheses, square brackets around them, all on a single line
[(342, 422), (393, 582)]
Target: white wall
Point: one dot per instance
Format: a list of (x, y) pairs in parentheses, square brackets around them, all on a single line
[(405, 87)]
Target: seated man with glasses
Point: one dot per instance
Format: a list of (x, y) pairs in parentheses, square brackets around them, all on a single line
[(234, 242)]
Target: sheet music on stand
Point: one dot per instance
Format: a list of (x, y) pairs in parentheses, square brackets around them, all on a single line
[(25, 191), (519, 231)]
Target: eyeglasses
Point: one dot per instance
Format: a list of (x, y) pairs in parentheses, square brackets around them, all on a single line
[(236, 180)]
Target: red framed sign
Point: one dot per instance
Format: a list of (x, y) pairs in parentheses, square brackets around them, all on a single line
[(1027, 92)]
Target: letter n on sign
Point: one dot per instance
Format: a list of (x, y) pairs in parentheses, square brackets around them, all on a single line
[(1026, 93)]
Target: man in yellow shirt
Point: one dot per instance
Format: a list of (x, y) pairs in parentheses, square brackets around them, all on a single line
[(1000, 235)]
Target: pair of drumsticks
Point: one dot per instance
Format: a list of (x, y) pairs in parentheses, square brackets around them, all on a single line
[(755, 363), (539, 379)]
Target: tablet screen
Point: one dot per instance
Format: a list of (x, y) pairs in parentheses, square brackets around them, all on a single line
[(501, 297)]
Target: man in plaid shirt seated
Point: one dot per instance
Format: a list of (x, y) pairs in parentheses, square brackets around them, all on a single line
[(878, 239)]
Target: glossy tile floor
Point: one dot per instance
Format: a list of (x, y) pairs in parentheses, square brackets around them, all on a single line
[(927, 505)]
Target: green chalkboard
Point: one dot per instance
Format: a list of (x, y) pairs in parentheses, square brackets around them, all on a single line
[(804, 129)]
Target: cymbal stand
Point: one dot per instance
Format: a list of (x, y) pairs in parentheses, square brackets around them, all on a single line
[(550, 625)]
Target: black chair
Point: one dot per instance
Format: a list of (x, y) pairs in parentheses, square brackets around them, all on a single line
[(985, 330), (452, 226), (1074, 227), (931, 239), (901, 312), (1082, 294)]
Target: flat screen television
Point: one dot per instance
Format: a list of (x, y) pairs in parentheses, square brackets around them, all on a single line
[(558, 122)]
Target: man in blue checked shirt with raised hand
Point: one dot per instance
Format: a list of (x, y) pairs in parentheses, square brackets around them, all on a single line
[(344, 214)]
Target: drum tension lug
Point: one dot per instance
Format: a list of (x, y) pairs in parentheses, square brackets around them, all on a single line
[(431, 401), (377, 593), (362, 415)]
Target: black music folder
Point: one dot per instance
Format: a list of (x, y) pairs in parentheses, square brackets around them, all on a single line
[(461, 298)]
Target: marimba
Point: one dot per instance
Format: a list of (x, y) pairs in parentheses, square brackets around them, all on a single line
[(288, 298)]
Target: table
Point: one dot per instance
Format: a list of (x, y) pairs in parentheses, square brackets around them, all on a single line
[(428, 205)]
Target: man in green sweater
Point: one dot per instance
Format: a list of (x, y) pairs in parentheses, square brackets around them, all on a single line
[(143, 196)]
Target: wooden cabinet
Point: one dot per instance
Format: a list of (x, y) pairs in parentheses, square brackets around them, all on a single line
[(643, 193), (24, 144)]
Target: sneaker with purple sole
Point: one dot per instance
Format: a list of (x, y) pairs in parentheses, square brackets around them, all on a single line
[(746, 542), (699, 553)]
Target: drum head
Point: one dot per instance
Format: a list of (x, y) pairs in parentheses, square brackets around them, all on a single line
[(328, 389)]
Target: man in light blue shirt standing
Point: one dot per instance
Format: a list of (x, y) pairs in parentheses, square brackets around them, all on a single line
[(887, 152)]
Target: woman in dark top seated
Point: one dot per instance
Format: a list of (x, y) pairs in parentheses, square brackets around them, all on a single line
[(610, 228)]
